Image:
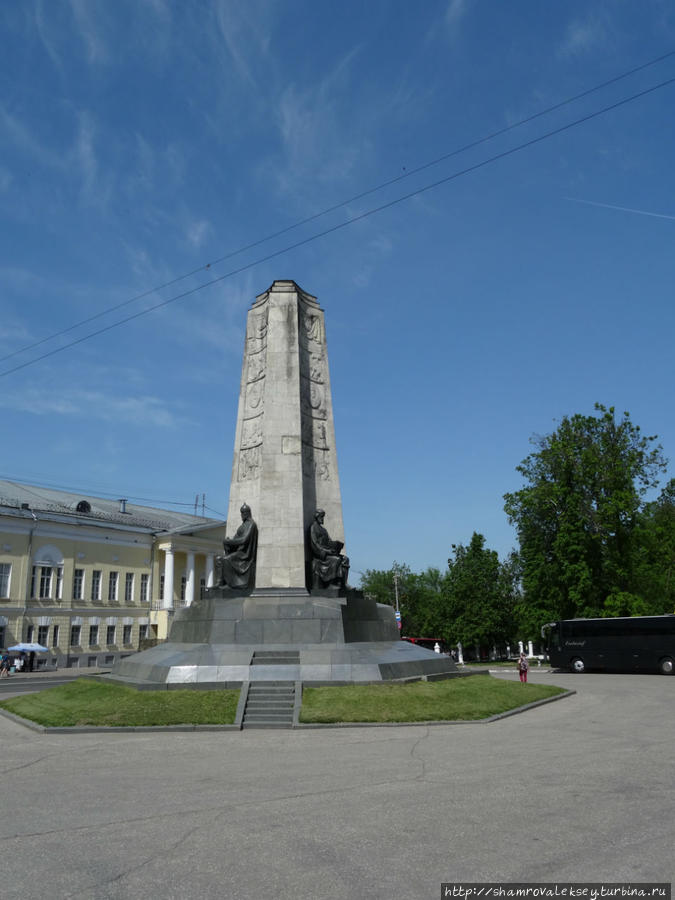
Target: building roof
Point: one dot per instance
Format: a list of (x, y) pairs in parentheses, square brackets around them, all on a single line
[(84, 508)]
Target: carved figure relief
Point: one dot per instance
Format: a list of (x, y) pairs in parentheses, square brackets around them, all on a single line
[(314, 433), (254, 396), (322, 465), (256, 332), (311, 327), (316, 463), (251, 432), (249, 463), (256, 366), (312, 366), (316, 367)]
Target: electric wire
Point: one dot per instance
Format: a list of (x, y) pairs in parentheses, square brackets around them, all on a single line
[(341, 204), (340, 225)]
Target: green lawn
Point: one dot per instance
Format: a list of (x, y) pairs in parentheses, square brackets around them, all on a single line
[(88, 702), (85, 702), (476, 697)]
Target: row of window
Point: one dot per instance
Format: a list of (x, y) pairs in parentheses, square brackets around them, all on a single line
[(76, 635), (47, 582)]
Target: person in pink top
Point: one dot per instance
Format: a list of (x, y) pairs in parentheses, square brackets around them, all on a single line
[(522, 668)]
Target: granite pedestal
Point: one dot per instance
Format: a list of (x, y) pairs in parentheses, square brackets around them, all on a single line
[(225, 639)]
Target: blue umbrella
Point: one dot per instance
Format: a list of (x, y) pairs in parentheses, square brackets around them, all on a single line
[(28, 648)]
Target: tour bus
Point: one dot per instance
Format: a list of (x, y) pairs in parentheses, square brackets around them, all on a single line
[(629, 643)]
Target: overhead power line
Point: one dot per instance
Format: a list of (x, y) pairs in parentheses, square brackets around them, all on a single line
[(407, 174), (340, 225)]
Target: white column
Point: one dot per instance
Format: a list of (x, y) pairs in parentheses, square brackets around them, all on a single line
[(210, 566), (190, 583), (460, 655), (167, 599), (530, 649)]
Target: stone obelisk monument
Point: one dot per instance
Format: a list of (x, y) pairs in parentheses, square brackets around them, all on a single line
[(285, 464), (283, 610)]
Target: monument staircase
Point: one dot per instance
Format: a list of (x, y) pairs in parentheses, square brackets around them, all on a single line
[(276, 658), (269, 704)]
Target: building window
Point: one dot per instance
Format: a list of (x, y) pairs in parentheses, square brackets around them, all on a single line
[(96, 586), (30, 634), (183, 585), (110, 635), (112, 587), (5, 572), (93, 635), (142, 633), (78, 584), (129, 588), (59, 582), (145, 582), (43, 634), (45, 582), (41, 582), (75, 635), (55, 636), (126, 634), (2, 636)]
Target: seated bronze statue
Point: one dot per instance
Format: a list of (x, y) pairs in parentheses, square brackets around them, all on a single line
[(237, 565), (329, 566)]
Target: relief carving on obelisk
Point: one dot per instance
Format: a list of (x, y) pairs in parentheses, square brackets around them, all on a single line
[(315, 442), (250, 446)]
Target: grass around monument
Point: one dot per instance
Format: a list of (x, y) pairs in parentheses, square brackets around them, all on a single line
[(87, 702), (465, 699)]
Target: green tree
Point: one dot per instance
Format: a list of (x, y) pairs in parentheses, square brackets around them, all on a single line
[(655, 566), (419, 596), (480, 595), (578, 516)]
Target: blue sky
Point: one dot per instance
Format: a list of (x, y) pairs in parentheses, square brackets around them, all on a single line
[(142, 139)]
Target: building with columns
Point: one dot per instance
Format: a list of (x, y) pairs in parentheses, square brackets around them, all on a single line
[(93, 579)]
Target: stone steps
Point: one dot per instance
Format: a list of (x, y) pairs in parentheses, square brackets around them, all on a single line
[(276, 658), (269, 705)]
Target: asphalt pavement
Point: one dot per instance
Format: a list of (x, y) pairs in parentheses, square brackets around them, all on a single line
[(577, 790)]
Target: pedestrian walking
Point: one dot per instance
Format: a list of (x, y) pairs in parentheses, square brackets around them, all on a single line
[(523, 666)]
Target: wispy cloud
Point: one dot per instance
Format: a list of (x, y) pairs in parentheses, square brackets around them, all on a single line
[(639, 212), (583, 36), (84, 155), (197, 231), (88, 17), (454, 13), (137, 410), (45, 33), (16, 132), (372, 256), (311, 123), (244, 29)]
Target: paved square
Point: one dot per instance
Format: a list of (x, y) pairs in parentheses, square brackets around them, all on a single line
[(581, 790)]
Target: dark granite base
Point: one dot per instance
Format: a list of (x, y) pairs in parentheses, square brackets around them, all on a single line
[(330, 639)]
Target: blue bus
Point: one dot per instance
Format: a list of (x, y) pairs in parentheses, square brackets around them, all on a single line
[(626, 643)]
